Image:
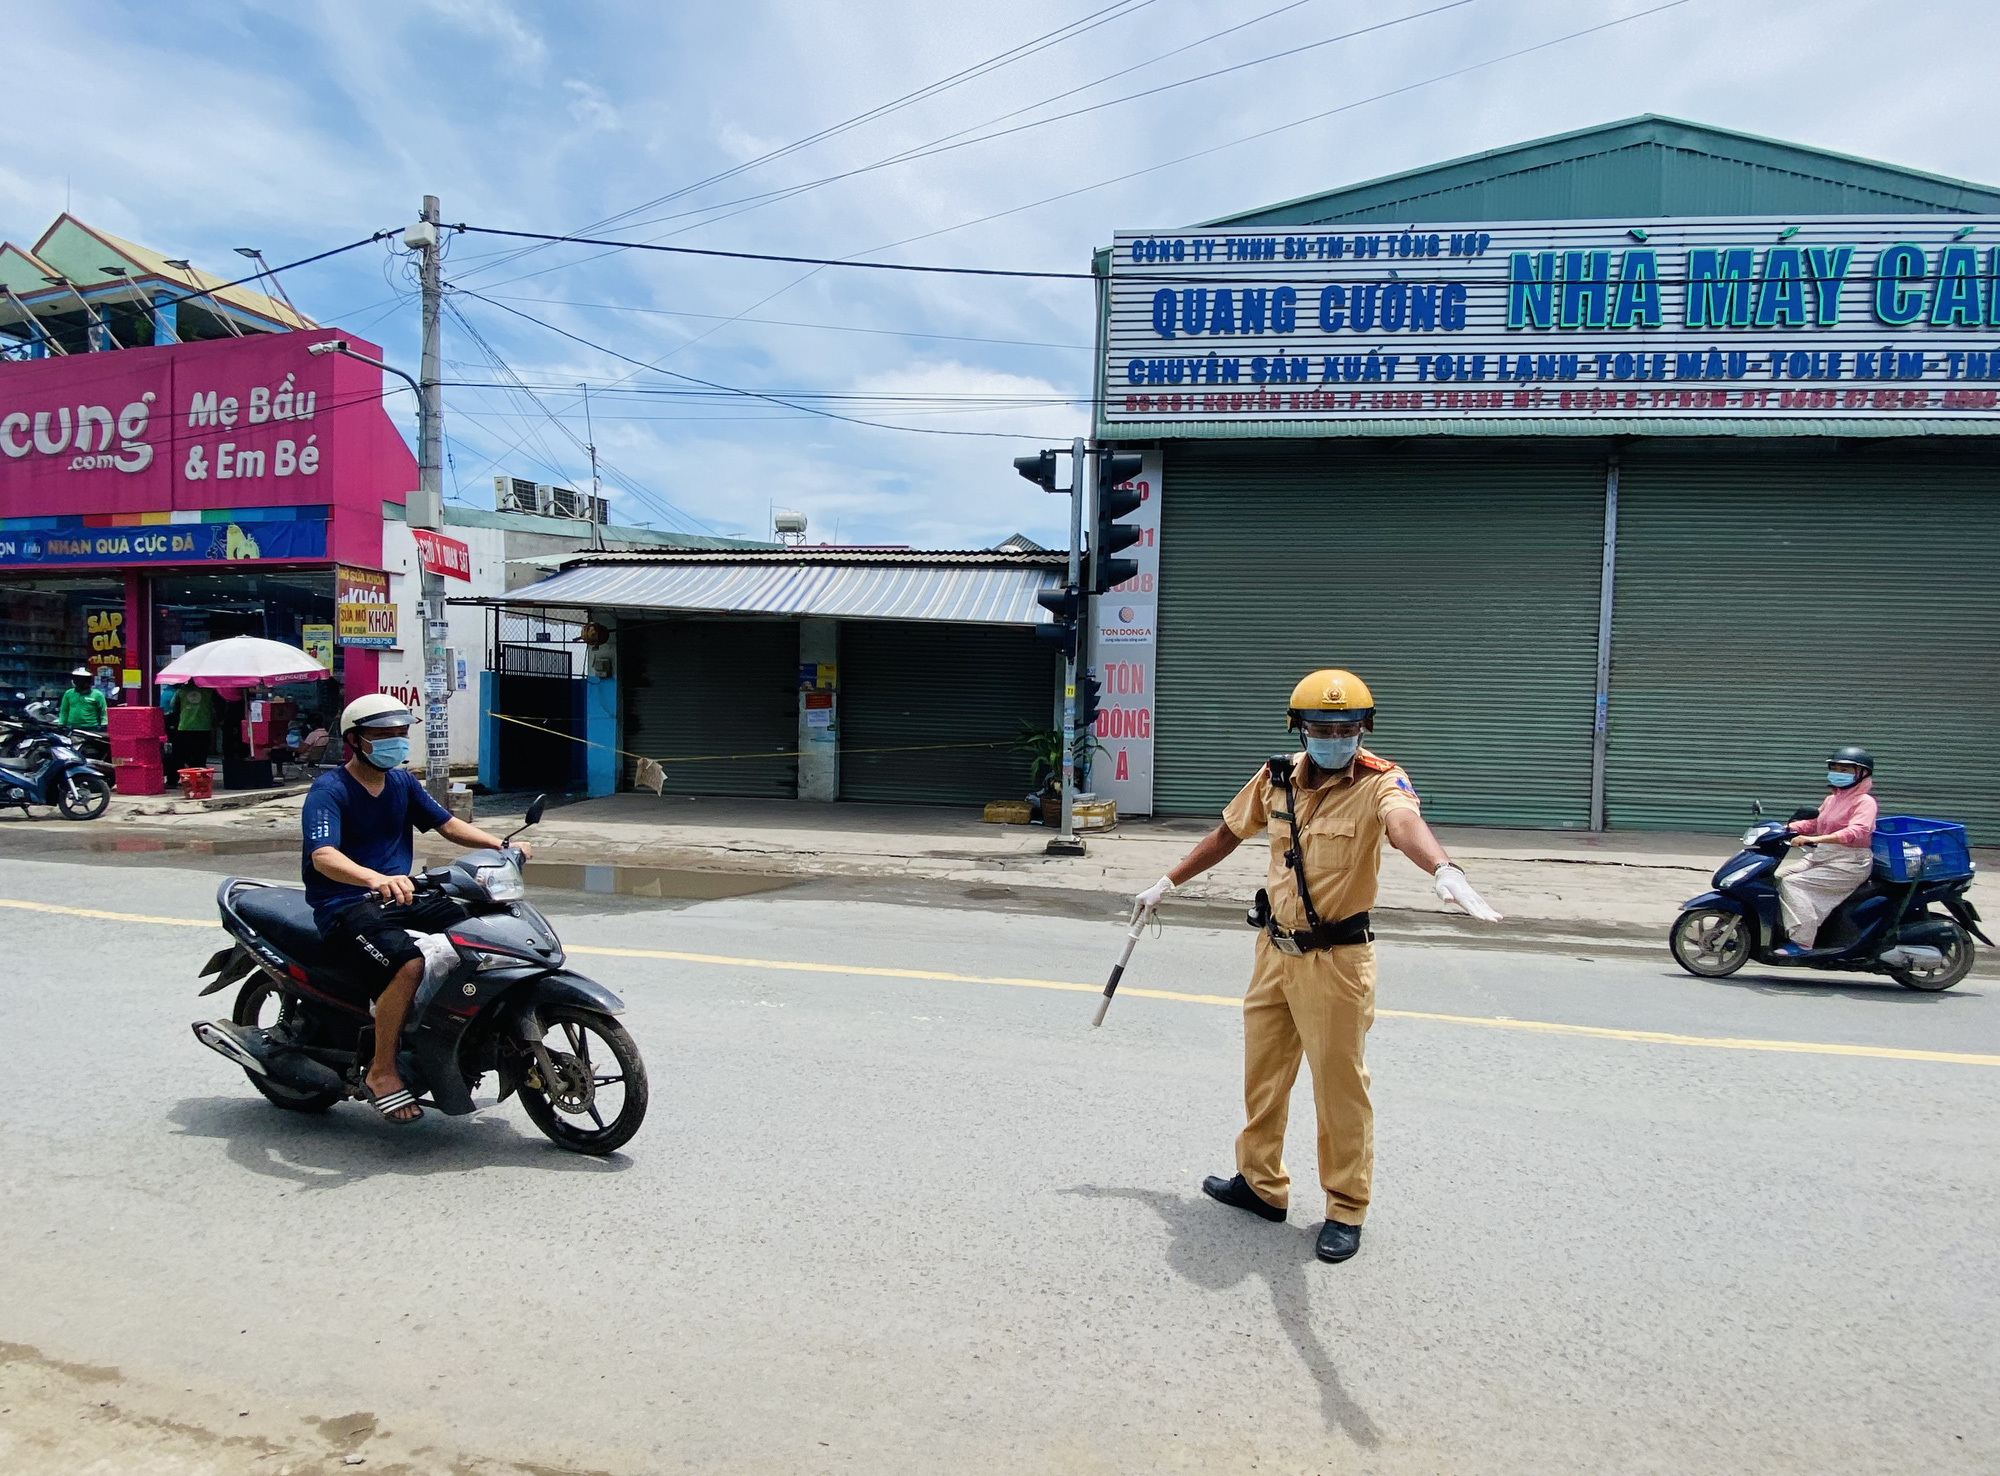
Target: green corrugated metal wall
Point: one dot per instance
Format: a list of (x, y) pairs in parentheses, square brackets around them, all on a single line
[(1460, 582), (907, 684), (691, 688), (1641, 167), (1775, 602)]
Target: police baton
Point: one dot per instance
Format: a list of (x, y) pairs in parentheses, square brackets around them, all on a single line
[(1118, 969)]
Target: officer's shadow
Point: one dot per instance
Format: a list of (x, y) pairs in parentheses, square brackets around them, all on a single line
[(1215, 1247)]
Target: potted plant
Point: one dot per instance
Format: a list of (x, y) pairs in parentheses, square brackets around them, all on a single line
[(1043, 750)]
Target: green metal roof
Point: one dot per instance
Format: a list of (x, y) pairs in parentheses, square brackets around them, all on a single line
[(1649, 166)]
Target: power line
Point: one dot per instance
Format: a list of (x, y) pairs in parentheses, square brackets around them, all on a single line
[(822, 261), (729, 389), (1084, 24), (1287, 127), (627, 307), (660, 504), (954, 141)]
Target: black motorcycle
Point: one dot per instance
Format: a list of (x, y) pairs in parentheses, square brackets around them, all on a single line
[(495, 998), (1885, 927)]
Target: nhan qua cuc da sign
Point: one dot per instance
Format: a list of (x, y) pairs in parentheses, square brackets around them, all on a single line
[(1832, 318)]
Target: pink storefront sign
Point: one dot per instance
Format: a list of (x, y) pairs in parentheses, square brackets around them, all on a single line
[(250, 422)]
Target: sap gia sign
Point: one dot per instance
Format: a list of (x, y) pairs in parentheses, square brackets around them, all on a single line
[(1842, 317)]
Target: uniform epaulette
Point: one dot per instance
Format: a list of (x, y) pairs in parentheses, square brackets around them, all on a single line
[(1366, 760)]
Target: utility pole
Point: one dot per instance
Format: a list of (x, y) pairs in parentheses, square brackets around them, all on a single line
[(426, 509), (596, 484), (1065, 842)]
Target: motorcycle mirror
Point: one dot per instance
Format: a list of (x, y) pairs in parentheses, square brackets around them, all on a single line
[(1756, 807), (533, 817)]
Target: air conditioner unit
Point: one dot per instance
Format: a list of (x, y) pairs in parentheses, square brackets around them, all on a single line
[(600, 510), (565, 503), (511, 494), (544, 495)]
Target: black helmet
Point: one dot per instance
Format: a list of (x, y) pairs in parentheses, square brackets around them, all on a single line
[(1860, 757)]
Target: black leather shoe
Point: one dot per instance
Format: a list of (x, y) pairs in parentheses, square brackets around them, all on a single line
[(1337, 1242), (1239, 1195)]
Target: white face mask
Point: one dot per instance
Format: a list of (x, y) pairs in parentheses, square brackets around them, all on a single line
[(1841, 781)]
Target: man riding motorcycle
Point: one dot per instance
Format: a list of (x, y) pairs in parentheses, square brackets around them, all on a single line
[(358, 850)]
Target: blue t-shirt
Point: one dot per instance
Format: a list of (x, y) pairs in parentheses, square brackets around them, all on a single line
[(368, 829)]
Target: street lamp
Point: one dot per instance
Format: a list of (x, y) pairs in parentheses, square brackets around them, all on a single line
[(339, 346), (264, 270)]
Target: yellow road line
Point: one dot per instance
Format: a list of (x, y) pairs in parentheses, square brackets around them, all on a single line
[(1484, 1022), (138, 917)]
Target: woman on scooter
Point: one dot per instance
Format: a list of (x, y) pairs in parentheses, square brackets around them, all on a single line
[(1841, 859)]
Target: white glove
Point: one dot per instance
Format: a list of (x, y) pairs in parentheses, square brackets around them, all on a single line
[(1451, 886), (1149, 900)]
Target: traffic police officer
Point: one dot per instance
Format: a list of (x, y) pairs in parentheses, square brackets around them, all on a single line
[(1312, 987)]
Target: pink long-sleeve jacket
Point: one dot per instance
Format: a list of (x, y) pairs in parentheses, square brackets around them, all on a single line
[(1846, 818)]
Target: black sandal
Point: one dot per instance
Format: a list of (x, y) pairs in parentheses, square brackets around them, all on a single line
[(393, 1103)]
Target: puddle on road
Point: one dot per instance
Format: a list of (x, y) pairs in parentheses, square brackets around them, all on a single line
[(651, 881), (132, 845)]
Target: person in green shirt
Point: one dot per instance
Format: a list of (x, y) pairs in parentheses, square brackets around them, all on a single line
[(82, 705), (192, 718)]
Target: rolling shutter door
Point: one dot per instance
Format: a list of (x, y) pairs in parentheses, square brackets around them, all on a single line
[(905, 685), (697, 687), (1460, 581), (1777, 601)]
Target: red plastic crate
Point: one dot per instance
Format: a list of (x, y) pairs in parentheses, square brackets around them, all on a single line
[(198, 783), (137, 720), (144, 749), (139, 779)]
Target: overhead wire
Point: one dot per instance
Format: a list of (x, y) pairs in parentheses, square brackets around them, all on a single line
[(728, 389), (955, 141), (1068, 32), (630, 307), (659, 504), (1263, 133)]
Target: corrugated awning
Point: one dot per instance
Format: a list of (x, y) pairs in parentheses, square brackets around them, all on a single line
[(974, 595)]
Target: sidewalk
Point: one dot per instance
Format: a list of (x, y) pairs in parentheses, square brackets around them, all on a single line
[(1621, 887)]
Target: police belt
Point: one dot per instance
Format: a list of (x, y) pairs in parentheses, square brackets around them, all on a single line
[(1340, 933)]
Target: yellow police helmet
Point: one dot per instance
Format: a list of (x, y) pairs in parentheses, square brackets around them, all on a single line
[(1334, 696)]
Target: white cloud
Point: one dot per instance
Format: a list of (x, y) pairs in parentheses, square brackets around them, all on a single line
[(297, 128)]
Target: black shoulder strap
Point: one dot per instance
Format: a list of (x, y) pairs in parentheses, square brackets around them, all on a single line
[(1281, 775)]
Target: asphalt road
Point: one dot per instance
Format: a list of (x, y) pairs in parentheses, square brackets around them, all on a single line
[(889, 1224)]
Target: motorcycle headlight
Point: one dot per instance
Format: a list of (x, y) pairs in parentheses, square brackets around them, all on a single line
[(502, 882), (1753, 835)]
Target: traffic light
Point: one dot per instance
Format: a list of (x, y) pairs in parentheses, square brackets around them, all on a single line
[(1064, 605), (1108, 535), (1088, 691), (1039, 469)]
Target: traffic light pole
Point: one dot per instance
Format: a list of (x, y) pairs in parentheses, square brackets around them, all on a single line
[(1065, 842)]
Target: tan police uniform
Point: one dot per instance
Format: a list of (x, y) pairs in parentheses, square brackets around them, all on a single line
[(1319, 1004)]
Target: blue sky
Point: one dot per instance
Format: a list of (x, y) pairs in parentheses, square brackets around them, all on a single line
[(295, 127)]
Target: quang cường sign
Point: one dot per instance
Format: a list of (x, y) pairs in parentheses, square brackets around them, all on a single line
[(1836, 319)]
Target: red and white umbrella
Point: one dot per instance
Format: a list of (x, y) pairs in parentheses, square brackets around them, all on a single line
[(242, 662)]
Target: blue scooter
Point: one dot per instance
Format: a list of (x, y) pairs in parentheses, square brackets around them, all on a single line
[(1885, 927), (53, 773)]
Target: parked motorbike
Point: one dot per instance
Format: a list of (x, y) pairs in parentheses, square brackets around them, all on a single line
[(1885, 927), (495, 997), (52, 773), (27, 726)]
